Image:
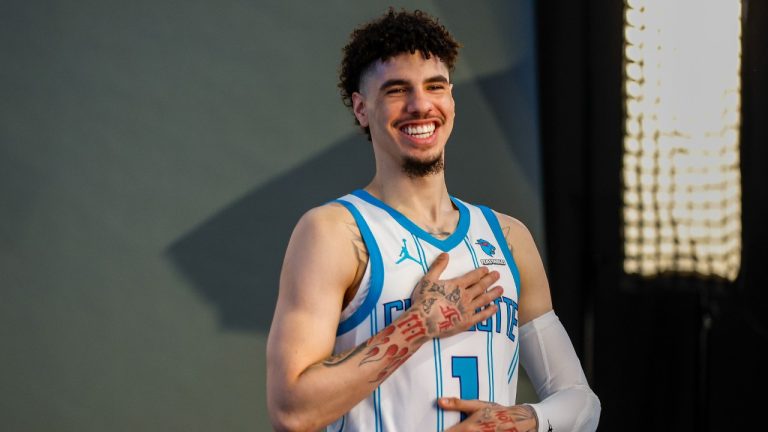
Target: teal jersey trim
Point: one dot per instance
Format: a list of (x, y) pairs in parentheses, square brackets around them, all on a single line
[(444, 245), (377, 272), (493, 222)]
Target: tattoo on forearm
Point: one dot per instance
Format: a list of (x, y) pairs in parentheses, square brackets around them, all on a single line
[(412, 328), (381, 348), (340, 358), (375, 343), (392, 355), (394, 358)]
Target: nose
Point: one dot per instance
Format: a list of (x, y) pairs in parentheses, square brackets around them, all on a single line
[(419, 103)]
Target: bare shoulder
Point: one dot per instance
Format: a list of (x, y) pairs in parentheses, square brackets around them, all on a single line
[(331, 224), (326, 246), (328, 216), (515, 232), (319, 266), (535, 298)]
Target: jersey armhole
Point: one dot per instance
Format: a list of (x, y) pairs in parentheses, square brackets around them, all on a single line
[(377, 272), (493, 222)]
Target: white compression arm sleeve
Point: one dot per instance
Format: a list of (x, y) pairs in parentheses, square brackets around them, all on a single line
[(547, 354)]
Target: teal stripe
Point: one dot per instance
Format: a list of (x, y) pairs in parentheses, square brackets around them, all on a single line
[(440, 412), (422, 254), (513, 364), (377, 273), (376, 408), (489, 338), (471, 252), (437, 380), (446, 244), (379, 420), (491, 387), (493, 222)]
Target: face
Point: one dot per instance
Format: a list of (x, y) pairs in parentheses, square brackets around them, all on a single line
[(407, 103)]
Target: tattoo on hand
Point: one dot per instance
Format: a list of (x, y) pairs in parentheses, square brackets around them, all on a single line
[(454, 296), (438, 288), (518, 418), (427, 306), (449, 313), (431, 294)]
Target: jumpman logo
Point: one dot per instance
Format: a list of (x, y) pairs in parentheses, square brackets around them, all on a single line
[(405, 255)]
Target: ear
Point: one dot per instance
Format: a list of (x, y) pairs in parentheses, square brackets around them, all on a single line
[(358, 108)]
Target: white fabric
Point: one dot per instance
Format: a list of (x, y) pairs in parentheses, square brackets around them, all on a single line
[(547, 355), (483, 360)]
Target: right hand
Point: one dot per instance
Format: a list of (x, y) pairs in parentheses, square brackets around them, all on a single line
[(454, 305)]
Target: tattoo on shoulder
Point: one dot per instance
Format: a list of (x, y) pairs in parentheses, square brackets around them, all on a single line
[(506, 231)]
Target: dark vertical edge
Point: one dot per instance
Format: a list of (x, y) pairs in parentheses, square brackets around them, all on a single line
[(560, 36)]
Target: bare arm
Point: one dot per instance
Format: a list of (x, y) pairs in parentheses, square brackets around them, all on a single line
[(307, 386), (535, 298)]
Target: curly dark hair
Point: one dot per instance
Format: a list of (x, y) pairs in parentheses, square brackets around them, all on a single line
[(392, 34)]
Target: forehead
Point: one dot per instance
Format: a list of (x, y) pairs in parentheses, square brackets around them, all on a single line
[(409, 67)]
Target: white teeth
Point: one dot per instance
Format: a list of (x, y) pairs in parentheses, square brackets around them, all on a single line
[(421, 131)]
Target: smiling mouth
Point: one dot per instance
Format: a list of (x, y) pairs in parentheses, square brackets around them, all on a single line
[(419, 131)]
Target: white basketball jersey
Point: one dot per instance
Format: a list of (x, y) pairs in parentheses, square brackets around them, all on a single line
[(480, 363)]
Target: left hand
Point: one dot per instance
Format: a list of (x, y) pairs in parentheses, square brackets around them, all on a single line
[(488, 417)]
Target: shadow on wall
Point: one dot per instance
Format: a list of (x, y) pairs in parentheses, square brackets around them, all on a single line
[(234, 259)]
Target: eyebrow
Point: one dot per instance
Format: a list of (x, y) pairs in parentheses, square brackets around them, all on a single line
[(402, 82)]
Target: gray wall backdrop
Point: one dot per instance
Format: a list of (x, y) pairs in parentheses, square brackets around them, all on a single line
[(154, 157)]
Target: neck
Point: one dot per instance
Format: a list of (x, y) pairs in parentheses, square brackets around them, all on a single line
[(424, 200)]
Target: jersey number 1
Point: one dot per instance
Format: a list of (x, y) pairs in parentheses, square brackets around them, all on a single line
[(465, 369)]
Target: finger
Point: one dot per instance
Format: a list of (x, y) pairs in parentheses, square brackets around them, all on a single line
[(483, 314), (487, 297), (471, 278), (481, 285), (437, 267), (456, 404)]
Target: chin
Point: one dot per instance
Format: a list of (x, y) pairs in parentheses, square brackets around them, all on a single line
[(417, 168)]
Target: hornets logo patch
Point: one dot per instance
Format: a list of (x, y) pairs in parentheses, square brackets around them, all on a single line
[(490, 250)]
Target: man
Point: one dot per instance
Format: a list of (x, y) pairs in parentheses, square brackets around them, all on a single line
[(401, 308)]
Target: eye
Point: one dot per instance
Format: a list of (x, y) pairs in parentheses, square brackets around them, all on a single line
[(396, 90), (436, 87)]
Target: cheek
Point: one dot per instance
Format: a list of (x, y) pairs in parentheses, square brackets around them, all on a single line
[(450, 108)]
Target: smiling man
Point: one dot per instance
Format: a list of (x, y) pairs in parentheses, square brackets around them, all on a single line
[(402, 308)]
